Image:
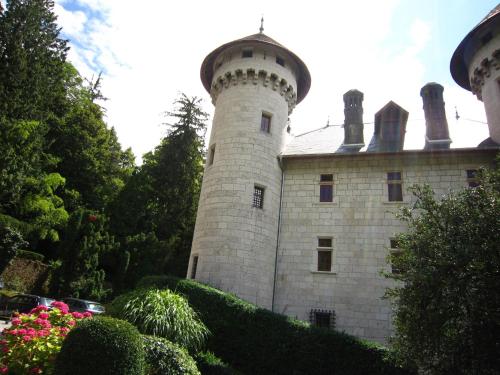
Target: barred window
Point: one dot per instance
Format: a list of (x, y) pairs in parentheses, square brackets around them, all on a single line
[(472, 178), (322, 318), (394, 187), (258, 197), (326, 187), (265, 123), (325, 250)]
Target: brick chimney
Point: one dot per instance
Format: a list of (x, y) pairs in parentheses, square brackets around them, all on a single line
[(353, 121), (437, 136)]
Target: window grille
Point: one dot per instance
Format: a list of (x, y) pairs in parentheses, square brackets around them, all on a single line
[(258, 197), (322, 318)]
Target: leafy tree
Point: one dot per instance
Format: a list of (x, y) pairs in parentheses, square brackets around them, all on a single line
[(447, 304), (10, 241), (85, 242)]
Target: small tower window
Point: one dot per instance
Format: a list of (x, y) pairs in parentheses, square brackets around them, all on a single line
[(258, 197), (394, 187), (211, 155), (246, 53), (265, 123), (280, 61), (194, 266)]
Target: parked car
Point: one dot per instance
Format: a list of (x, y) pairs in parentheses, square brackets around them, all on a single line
[(22, 303), (82, 305)]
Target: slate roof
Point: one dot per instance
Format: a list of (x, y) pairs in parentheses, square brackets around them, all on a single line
[(470, 44), (304, 77)]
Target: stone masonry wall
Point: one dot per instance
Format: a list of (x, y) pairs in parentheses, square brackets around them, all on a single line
[(361, 222)]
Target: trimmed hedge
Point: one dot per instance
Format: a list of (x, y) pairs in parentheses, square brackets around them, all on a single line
[(31, 255), (209, 364), (258, 341), (166, 358), (101, 346)]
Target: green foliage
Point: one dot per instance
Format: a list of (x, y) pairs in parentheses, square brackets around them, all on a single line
[(209, 364), (168, 315), (31, 255), (10, 242), (447, 302), (104, 346), (166, 358), (84, 243), (257, 341)]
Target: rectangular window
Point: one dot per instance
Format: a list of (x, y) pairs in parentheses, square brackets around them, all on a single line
[(472, 178), (211, 155), (265, 123), (394, 187), (322, 318), (395, 252), (246, 53), (258, 197), (325, 249), (326, 188), (280, 61), (194, 266)]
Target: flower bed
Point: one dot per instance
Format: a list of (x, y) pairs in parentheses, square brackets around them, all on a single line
[(32, 343)]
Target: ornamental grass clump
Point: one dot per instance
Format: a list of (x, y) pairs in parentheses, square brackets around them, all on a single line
[(166, 314), (32, 343)]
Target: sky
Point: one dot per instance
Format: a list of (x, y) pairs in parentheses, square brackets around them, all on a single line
[(150, 51)]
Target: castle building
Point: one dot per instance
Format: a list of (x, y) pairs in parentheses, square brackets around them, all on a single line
[(301, 225)]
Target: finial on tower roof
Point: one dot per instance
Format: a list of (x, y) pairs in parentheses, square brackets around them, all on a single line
[(261, 29)]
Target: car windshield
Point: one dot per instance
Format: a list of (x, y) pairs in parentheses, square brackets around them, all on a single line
[(96, 307)]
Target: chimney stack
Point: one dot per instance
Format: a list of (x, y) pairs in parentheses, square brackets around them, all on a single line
[(353, 121), (437, 136)]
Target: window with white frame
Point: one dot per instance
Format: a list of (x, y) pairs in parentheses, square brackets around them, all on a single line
[(326, 187), (325, 250), (394, 187)]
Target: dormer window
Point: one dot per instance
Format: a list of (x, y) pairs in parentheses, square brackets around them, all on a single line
[(246, 53), (280, 61)]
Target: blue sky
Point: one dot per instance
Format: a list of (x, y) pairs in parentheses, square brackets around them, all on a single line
[(150, 51)]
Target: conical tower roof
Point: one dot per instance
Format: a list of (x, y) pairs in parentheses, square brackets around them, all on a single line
[(303, 78), (470, 44)]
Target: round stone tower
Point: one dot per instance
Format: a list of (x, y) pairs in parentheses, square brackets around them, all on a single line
[(255, 83)]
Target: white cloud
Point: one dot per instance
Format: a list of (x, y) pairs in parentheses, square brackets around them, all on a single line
[(153, 50)]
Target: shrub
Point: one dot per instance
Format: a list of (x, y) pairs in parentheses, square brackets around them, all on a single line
[(257, 341), (31, 255), (209, 364), (34, 339), (166, 314), (102, 345), (166, 358)]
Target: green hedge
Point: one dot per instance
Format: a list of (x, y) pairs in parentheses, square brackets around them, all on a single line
[(209, 364), (257, 341), (31, 255), (101, 346), (166, 358)]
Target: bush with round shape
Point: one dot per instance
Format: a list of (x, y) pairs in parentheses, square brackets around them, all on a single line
[(166, 358), (102, 346), (166, 314)]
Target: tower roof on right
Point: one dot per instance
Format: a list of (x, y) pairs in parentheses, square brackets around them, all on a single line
[(474, 40)]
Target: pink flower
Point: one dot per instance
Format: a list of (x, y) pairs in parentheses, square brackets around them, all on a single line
[(43, 315), (39, 308), (4, 370), (35, 370), (5, 350), (27, 338), (77, 315), (16, 321), (61, 306), (87, 314), (64, 330), (71, 322)]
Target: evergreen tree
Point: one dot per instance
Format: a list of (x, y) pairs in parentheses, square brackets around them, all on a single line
[(32, 57)]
